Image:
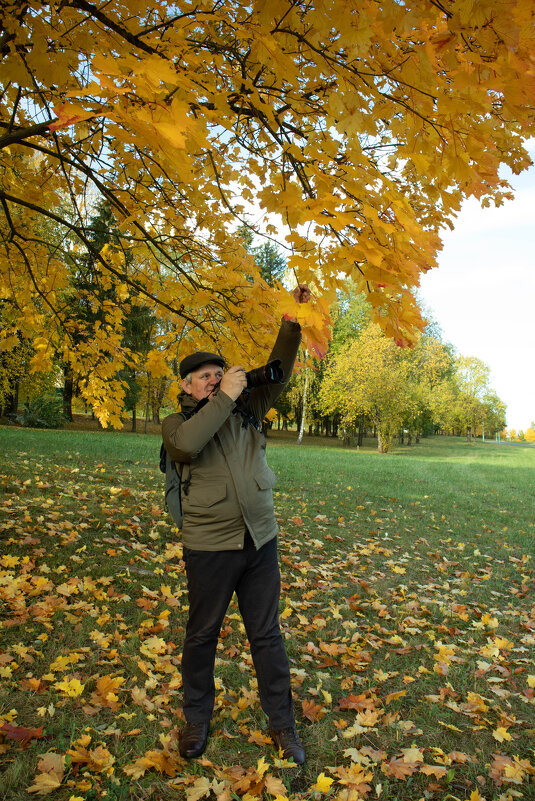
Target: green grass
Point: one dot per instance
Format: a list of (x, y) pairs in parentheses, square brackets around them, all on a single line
[(407, 585)]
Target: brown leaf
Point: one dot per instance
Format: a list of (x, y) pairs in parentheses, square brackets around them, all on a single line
[(433, 770), (21, 734), (312, 711), (398, 769), (274, 785)]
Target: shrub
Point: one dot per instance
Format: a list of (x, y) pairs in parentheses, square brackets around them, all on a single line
[(44, 411)]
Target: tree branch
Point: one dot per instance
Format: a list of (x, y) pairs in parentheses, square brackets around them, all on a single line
[(19, 134), (96, 254), (93, 11)]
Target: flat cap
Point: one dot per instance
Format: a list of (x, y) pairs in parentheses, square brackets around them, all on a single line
[(196, 360)]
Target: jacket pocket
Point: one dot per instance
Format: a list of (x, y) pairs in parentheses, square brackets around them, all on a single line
[(206, 495), (265, 478)]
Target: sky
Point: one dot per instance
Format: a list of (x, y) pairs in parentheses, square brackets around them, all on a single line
[(483, 293)]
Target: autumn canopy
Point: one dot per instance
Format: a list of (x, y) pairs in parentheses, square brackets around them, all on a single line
[(350, 132)]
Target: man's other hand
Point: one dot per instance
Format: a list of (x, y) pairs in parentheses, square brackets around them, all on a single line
[(234, 382)]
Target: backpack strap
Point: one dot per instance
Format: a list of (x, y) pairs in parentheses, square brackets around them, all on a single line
[(185, 482)]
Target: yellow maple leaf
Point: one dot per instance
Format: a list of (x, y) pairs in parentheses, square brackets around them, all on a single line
[(322, 784), (261, 766), (412, 754), (202, 787), (501, 734), (368, 718), (51, 768), (44, 783), (71, 687)]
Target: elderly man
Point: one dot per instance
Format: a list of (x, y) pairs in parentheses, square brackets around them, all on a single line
[(229, 534)]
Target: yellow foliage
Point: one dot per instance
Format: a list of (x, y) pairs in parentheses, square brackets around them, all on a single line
[(529, 434), (358, 128)]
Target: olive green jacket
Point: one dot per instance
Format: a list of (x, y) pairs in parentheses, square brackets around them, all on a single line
[(227, 484)]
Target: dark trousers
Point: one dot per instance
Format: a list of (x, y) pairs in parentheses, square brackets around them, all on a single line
[(213, 576)]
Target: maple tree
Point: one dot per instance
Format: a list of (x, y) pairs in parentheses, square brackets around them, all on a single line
[(357, 129)]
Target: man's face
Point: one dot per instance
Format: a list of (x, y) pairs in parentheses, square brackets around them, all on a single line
[(203, 381)]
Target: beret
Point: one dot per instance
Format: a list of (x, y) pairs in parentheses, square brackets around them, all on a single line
[(196, 360)]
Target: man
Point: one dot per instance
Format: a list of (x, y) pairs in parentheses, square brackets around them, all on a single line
[(229, 534)]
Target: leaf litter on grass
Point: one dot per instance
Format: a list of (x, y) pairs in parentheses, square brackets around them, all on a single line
[(412, 656)]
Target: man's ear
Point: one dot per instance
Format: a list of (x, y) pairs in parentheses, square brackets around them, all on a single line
[(186, 386)]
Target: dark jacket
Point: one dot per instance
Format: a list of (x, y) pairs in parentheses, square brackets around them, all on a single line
[(229, 483)]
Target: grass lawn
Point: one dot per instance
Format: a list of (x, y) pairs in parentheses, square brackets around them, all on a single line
[(407, 608)]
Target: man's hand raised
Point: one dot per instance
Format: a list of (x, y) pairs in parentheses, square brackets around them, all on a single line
[(234, 382), (301, 293)]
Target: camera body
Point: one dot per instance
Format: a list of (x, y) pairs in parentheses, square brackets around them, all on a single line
[(270, 373)]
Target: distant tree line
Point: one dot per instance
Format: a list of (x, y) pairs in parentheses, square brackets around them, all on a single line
[(365, 386)]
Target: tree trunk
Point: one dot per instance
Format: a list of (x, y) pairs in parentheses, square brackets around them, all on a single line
[(68, 388), (304, 412), (468, 433), (157, 400), (361, 431), (11, 404), (134, 419), (147, 408), (379, 442)]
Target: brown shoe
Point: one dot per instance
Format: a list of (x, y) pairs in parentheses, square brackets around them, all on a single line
[(193, 739), (287, 741)]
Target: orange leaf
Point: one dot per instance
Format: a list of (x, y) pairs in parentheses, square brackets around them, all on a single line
[(358, 702), (312, 711), (69, 114)]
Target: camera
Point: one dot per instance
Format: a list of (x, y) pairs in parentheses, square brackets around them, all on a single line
[(270, 373)]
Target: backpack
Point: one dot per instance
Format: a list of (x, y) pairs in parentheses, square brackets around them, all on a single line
[(173, 501), (173, 484)]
